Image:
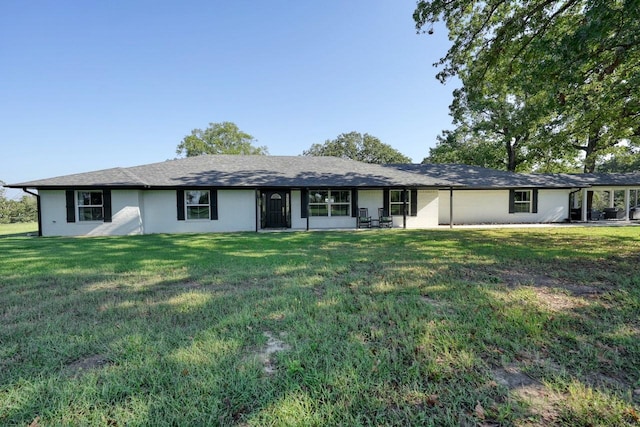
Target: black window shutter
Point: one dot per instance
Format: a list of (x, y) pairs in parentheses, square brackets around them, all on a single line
[(213, 199), (386, 205), (180, 204), (304, 203), (71, 206), (534, 200), (512, 201), (106, 205), (414, 202), (354, 202)]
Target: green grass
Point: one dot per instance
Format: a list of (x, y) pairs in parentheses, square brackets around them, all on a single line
[(384, 327), (18, 229)]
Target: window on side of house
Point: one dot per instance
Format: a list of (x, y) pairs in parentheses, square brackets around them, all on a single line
[(396, 204), (329, 202), (90, 205), (197, 204), (522, 201)]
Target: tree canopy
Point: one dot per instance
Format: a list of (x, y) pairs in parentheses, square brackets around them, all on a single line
[(465, 148), (219, 138), (356, 146), (550, 78), (12, 211)]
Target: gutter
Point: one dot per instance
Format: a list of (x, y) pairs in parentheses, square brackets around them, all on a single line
[(39, 210)]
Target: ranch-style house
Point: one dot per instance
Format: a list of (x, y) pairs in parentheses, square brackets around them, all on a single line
[(221, 193)]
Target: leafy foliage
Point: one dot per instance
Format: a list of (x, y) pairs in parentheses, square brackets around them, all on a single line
[(625, 160), (353, 145), (219, 138), (14, 211), (560, 74), (467, 149)]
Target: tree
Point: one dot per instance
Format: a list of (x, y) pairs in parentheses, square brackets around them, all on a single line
[(626, 160), (4, 205), (575, 63), (463, 147), (219, 138), (364, 148), (23, 210)]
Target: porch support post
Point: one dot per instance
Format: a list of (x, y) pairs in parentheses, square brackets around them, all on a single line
[(584, 204), (627, 203), (612, 198), (450, 207)]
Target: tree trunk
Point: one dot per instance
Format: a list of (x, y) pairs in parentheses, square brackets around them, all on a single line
[(511, 156), (591, 149), (590, 162)]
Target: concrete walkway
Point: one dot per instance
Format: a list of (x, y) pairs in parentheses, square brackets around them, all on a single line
[(612, 223)]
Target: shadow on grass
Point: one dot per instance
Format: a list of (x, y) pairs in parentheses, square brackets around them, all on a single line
[(393, 328), (23, 234)]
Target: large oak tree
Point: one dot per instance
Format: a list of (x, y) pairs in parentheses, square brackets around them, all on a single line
[(219, 138), (356, 146), (567, 73)]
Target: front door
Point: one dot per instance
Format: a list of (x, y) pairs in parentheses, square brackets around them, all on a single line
[(276, 209)]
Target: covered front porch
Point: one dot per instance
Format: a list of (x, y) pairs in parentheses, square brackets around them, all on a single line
[(598, 203)]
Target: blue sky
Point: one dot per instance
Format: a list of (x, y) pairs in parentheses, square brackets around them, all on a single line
[(87, 85)]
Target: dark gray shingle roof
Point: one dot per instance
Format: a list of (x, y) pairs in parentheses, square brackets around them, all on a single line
[(484, 178), (246, 171), (302, 171), (612, 179)]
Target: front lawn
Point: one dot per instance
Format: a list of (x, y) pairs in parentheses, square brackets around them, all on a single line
[(377, 327), (18, 229)]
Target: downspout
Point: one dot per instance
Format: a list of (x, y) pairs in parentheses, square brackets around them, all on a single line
[(450, 207), (570, 194), (404, 208), (39, 210)]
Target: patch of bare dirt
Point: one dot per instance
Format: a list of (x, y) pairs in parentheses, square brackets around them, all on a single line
[(190, 285), (541, 402), (540, 280), (440, 307), (558, 301), (273, 345), (82, 366), (554, 294)]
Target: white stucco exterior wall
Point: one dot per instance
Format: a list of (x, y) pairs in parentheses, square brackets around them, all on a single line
[(236, 212), (297, 222), (154, 211), (427, 214), (492, 207), (372, 200), (125, 208)]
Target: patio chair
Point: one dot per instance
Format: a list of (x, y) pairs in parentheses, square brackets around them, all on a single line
[(364, 220), (384, 220)]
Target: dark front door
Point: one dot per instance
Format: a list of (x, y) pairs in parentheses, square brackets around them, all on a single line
[(277, 207)]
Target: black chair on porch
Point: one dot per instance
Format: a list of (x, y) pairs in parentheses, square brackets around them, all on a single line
[(384, 220), (364, 220)]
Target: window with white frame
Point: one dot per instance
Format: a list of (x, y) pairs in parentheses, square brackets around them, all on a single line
[(90, 205), (396, 203), (197, 204), (330, 202), (522, 201)]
